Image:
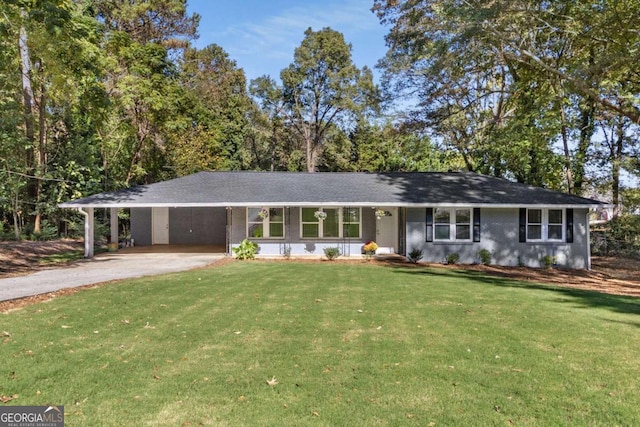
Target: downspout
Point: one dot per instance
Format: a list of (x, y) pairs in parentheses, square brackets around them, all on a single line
[(88, 233), (588, 239), (229, 233)]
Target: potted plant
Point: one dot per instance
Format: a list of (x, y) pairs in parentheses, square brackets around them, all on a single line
[(370, 248)]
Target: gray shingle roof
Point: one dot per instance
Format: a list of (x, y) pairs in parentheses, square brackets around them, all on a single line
[(340, 189)]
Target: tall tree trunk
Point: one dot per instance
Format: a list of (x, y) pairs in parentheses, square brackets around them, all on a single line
[(587, 128), (28, 113), (616, 160), (567, 152), (274, 144), (16, 224), (27, 93), (41, 158)]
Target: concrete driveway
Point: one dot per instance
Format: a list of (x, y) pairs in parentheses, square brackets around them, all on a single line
[(102, 268)]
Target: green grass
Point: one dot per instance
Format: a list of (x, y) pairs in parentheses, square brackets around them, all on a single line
[(356, 345), (61, 258)]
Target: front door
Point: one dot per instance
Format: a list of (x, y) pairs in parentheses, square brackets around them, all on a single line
[(387, 232), (160, 224)]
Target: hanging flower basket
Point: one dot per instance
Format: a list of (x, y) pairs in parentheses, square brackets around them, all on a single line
[(380, 213), (264, 213), (320, 215)]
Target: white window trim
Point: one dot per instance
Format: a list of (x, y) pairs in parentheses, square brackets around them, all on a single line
[(453, 224), (544, 234), (320, 223), (265, 223), (343, 223)]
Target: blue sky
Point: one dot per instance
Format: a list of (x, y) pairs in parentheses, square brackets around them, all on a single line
[(261, 35)]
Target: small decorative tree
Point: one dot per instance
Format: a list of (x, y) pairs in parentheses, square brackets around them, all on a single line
[(415, 255), (332, 253)]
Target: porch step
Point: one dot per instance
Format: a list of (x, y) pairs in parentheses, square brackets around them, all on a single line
[(385, 250)]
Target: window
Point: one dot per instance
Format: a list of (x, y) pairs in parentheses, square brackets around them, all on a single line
[(351, 222), (452, 224), (337, 223), (265, 223), (545, 225)]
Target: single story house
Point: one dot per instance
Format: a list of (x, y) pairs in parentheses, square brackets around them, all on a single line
[(293, 213)]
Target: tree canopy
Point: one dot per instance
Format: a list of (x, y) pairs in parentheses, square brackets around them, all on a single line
[(100, 95)]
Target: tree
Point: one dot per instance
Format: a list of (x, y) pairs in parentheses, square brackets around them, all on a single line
[(390, 148), (322, 88), (478, 68), (140, 77), (209, 128), (51, 64)]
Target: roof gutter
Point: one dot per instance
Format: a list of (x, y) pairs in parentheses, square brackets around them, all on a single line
[(333, 204)]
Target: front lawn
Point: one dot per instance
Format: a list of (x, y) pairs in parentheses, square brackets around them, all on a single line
[(310, 343)]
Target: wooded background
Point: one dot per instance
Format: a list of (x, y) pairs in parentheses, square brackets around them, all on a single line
[(98, 95)]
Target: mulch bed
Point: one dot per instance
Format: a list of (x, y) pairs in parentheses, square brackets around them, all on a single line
[(608, 275)]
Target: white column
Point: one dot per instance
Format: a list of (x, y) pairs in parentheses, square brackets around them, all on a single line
[(88, 231), (113, 217), (586, 221)]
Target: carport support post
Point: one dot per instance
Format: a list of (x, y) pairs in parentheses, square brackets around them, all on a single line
[(88, 231), (113, 218)]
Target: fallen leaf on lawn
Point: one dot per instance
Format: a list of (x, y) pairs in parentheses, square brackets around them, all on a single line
[(148, 326), (273, 381), (5, 399), (66, 326), (237, 332), (315, 414), (6, 334), (155, 377)]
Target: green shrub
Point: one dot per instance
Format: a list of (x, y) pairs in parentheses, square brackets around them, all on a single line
[(48, 231), (332, 253), (617, 237), (485, 256), (246, 250), (415, 255), (548, 261), (453, 258)]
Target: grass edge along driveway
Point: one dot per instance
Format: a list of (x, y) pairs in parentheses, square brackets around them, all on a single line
[(295, 343)]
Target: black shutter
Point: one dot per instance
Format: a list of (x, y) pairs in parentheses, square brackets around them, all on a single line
[(429, 224), (569, 231), (476, 224), (523, 225)]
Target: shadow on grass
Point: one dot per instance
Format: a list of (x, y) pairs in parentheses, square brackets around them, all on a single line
[(585, 298)]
